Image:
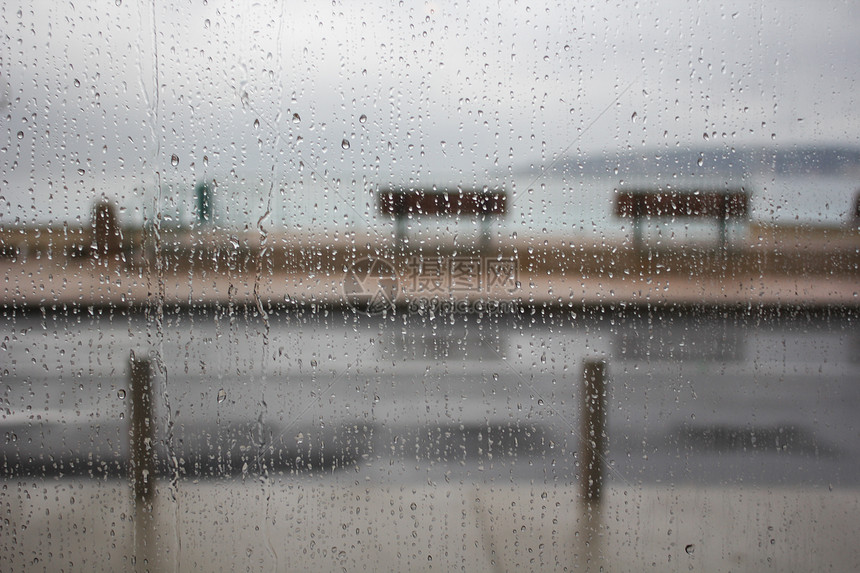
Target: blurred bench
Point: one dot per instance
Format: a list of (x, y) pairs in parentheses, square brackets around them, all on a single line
[(721, 205), (404, 204)]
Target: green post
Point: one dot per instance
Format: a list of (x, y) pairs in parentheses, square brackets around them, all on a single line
[(205, 207)]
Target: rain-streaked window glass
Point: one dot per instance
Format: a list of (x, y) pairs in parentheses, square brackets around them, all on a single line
[(429, 286)]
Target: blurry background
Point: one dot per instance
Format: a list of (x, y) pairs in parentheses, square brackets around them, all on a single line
[(200, 185), (299, 111)]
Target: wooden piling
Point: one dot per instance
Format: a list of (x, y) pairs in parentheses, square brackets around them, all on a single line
[(142, 460), (142, 451), (593, 448)]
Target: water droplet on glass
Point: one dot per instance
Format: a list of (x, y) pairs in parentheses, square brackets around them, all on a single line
[(313, 363), (205, 160), (256, 124), (206, 23), (362, 118), (118, 2), (222, 395), (296, 118), (20, 135), (174, 160), (690, 548), (413, 506), (120, 394), (77, 83), (345, 144), (634, 117)]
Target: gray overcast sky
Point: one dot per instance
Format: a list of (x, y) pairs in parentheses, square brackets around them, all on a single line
[(98, 97)]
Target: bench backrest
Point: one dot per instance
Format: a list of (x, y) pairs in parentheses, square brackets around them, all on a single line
[(455, 202), (715, 204)]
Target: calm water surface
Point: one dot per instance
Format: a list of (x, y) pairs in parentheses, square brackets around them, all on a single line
[(706, 397)]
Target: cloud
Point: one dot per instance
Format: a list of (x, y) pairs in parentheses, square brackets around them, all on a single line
[(260, 96)]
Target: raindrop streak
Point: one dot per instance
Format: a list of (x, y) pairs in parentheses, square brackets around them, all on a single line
[(222, 395)]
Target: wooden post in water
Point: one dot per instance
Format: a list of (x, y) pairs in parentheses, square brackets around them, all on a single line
[(142, 454), (593, 447)]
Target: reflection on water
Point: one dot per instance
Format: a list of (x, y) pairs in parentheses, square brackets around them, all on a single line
[(774, 439), (483, 342), (682, 344), (702, 397)]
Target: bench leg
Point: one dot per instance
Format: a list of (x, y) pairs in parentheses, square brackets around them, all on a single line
[(485, 232), (400, 232), (637, 234)]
